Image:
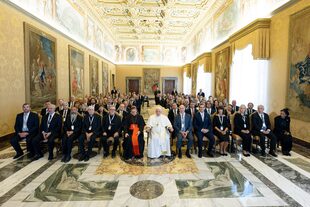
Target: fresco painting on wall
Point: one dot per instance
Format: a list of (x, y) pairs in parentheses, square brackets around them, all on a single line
[(131, 54), (105, 78), (93, 75), (298, 95), (151, 77), (222, 64), (76, 67), (151, 54), (40, 65)]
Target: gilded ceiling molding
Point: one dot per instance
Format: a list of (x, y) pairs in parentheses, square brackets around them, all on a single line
[(258, 34)]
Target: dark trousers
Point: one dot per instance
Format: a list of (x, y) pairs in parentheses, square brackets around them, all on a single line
[(189, 142), (105, 144), (15, 144), (50, 143), (246, 141), (210, 137), (271, 137), (67, 143), (286, 142), (90, 144), (128, 148)]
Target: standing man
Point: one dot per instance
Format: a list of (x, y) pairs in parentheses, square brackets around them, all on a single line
[(261, 127), (50, 129), (111, 130), (200, 93), (71, 131), (91, 129), (26, 127), (203, 127), (183, 129)]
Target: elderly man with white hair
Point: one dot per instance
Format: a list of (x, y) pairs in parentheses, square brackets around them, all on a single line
[(50, 129), (159, 127)]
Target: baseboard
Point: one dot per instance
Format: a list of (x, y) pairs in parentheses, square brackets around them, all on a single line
[(301, 142)]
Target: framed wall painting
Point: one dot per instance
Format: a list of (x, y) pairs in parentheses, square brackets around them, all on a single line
[(76, 71), (222, 66), (105, 78), (93, 76), (40, 67)]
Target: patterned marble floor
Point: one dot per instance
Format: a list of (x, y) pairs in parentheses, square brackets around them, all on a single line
[(221, 181)]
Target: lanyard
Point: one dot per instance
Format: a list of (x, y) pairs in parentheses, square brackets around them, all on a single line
[(91, 120), (111, 119), (221, 118)]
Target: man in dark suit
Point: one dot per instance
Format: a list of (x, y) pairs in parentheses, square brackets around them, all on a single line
[(209, 109), (183, 129), (173, 112), (91, 129), (137, 103), (71, 102), (44, 111), (113, 92), (203, 127), (50, 129), (235, 108), (71, 131), (192, 109), (250, 110), (261, 127), (156, 94), (26, 127), (200, 93), (111, 131), (93, 103), (65, 112)]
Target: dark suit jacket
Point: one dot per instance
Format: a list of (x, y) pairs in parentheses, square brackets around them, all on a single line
[(248, 111), (281, 125), (239, 123), (201, 94), (212, 111), (257, 123), (96, 124), (177, 125), (55, 125), (32, 123), (188, 111), (78, 124), (199, 124), (125, 114), (171, 115), (61, 112), (235, 110), (43, 112), (174, 93), (217, 123), (116, 124)]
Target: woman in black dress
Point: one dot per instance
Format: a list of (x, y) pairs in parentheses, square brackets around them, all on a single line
[(283, 132), (221, 126), (242, 128)]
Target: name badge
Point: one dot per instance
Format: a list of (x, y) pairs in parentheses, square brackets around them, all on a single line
[(222, 128), (182, 126), (109, 128), (72, 127), (89, 128), (244, 126)]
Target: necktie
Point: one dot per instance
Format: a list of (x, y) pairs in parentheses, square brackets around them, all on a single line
[(25, 128), (49, 120)]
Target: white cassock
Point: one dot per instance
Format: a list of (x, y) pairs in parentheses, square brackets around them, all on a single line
[(159, 140)]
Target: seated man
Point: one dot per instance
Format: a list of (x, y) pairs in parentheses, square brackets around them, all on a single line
[(183, 129), (133, 144), (71, 131), (111, 130), (65, 111), (90, 130), (44, 111), (26, 127), (261, 127), (50, 129), (159, 127), (203, 127), (192, 109)]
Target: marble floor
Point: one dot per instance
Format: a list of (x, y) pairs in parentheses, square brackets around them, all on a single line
[(229, 181)]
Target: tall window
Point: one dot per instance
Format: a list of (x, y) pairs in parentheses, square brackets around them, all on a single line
[(187, 84), (204, 81), (248, 78)]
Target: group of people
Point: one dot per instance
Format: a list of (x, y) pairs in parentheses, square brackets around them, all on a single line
[(114, 115)]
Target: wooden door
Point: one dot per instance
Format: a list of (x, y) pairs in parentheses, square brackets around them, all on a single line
[(169, 86), (133, 85)]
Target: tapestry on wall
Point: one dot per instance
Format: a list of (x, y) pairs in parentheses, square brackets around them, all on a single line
[(222, 64), (298, 95), (76, 68), (105, 78), (151, 77), (40, 66), (93, 75)]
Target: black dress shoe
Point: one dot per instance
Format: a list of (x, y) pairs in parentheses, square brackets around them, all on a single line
[(50, 157), (86, 158), (106, 154), (180, 154), (188, 155), (113, 154), (68, 158), (18, 155), (210, 154), (263, 154), (225, 154), (273, 154), (81, 158), (63, 159), (30, 155), (36, 157)]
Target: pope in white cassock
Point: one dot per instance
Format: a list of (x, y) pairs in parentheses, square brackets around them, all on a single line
[(159, 127)]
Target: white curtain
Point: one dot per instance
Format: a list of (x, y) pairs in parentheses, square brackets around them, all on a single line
[(204, 81), (187, 84), (248, 78)]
